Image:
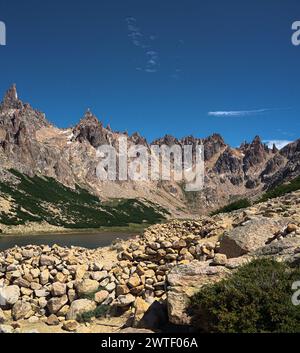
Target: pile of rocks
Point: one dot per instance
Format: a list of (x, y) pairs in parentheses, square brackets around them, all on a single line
[(145, 262), (168, 263), (42, 282), (56, 284)]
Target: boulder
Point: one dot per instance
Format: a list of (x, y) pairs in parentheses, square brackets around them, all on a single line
[(21, 310), (46, 260), (58, 289), (286, 249), (156, 316), (52, 320), (70, 325), (124, 300), (122, 289), (41, 293), (140, 306), (101, 296), (134, 281), (110, 287), (87, 286), (99, 275), (44, 276), (33, 320), (219, 260), (80, 272), (80, 306), (63, 311), (184, 282), (56, 303), (250, 237), (9, 296)]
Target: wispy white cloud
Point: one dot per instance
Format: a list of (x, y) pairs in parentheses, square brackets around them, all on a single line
[(228, 113), (139, 40), (278, 143)]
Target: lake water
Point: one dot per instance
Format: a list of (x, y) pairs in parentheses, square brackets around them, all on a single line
[(86, 240)]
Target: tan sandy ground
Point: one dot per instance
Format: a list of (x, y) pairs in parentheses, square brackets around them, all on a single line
[(103, 325)]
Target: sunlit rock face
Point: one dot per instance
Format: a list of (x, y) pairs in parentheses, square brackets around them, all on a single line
[(32, 145)]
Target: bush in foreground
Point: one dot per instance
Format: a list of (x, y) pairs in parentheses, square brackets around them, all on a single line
[(256, 298), (100, 311)]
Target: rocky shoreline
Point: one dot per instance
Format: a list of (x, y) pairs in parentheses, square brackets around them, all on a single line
[(35, 228), (31, 228), (145, 281)]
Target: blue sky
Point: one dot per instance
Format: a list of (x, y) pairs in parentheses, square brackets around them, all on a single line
[(179, 67)]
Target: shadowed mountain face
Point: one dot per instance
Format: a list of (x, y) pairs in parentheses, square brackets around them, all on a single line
[(33, 146)]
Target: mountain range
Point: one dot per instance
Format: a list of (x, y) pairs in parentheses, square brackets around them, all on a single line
[(36, 155)]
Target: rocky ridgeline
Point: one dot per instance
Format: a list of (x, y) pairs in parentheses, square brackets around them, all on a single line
[(33, 146), (164, 266)]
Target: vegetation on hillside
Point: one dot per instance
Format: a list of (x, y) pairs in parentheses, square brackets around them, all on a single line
[(277, 191), (243, 203), (281, 190), (42, 198), (256, 298)]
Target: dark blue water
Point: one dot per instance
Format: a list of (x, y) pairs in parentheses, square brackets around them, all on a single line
[(86, 240)]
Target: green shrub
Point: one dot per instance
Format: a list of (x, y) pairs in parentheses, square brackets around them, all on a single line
[(100, 311), (242, 203), (281, 190), (256, 298)]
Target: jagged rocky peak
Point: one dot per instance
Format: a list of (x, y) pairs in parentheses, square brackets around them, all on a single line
[(11, 100), (258, 144), (274, 148), (19, 121), (216, 138), (168, 140), (89, 118), (137, 139), (255, 153), (256, 140), (228, 162), (291, 149), (190, 140), (212, 145), (11, 93), (91, 129)]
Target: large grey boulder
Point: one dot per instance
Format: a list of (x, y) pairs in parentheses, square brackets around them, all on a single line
[(249, 237), (286, 249)]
